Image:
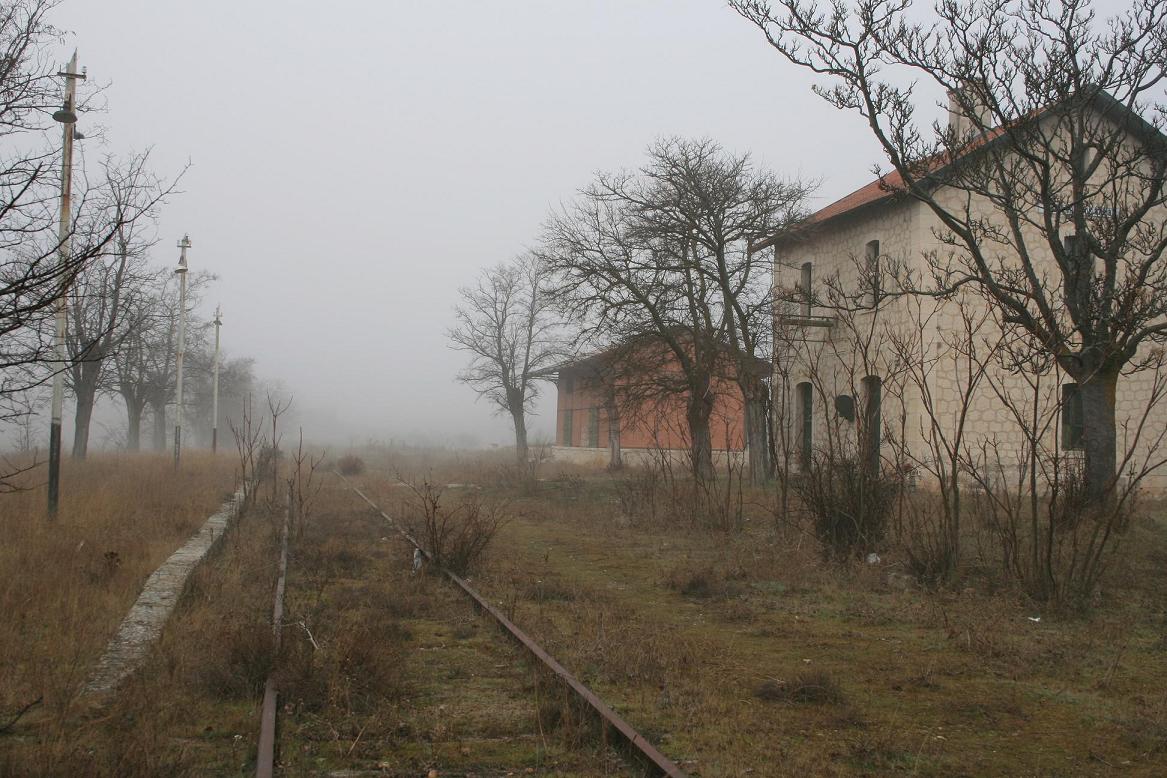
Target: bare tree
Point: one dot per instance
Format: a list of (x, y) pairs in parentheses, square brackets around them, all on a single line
[(132, 366), (39, 261), (276, 406), (145, 362), (662, 253), (960, 360), (636, 289), (1048, 137), (105, 305), (725, 202), (509, 325)]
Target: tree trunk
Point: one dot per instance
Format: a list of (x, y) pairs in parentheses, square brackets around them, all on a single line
[(133, 424), (757, 431), (159, 427), (700, 438), (1099, 437), (615, 458), (86, 396), (520, 436)]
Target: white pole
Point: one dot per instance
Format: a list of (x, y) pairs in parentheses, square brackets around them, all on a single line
[(183, 244), (215, 385), (68, 118)]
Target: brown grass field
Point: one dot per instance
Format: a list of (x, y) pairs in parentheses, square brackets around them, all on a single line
[(747, 654), (735, 653), (66, 585)]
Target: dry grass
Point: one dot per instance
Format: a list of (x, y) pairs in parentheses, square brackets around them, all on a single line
[(680, 627), (180, 714), (817, 687), (735, 653), (392, 672), (67, 584)]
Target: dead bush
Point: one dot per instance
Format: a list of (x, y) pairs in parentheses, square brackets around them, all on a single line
[(849, 502), (561, 712), (350, 464), (661, 493), (614, 643), (1054, 541), (236, 663), (816, 688), (458, 536), (351, 664)]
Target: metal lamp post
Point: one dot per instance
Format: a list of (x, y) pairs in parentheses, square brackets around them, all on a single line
[(67, 116), (215, 385), (183, 244)]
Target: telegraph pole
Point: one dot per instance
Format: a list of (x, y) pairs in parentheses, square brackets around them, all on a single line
[(183, 244), (215, 384), (67, 116)]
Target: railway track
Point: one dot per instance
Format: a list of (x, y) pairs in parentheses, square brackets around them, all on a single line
[(635, 745)]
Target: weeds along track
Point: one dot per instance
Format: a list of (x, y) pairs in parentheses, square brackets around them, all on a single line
[(382, 671), (642, 748), (266, 750)]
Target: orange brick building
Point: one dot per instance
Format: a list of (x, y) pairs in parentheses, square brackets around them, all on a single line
[(609, 417)]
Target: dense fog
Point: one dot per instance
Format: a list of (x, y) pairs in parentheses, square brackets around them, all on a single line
[(353, 164)]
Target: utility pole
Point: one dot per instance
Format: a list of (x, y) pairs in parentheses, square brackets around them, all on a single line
[(67, 116), (215, 384), (183, 244)]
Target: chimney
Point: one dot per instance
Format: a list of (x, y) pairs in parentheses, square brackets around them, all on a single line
[(964, 106), (957, 121)]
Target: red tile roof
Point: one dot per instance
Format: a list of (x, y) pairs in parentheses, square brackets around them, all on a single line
[(888, 186), (881, 188)]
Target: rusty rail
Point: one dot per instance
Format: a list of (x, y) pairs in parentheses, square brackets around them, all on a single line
[(266, 752), (658, 761)]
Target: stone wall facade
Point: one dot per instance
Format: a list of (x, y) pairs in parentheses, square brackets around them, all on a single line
[(834, 351)]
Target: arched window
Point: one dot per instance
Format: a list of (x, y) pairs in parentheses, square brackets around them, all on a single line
[(872, 270), (805, 424), (1073, 422), (872, 420), (804, 285)]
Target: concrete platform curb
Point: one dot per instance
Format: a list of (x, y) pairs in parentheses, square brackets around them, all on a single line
[(143, 624)]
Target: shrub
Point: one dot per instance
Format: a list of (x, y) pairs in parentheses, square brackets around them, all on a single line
[(849, 503), (661, 493), (236, 663), (360, 667), (1055, 545), (455, 537), (350, 464)]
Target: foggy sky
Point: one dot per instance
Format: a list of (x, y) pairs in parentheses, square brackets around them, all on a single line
[(354, 163)]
